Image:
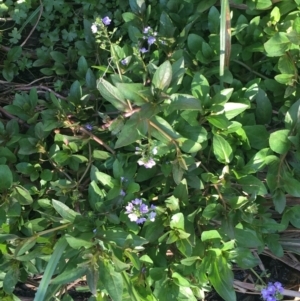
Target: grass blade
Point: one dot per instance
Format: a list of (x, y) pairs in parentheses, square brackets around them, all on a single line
[(51, 266)]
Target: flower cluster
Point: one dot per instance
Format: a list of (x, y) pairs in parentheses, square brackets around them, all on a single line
[(139, 212), (146, 160), (150, 37), (272, 292), (106, 21)]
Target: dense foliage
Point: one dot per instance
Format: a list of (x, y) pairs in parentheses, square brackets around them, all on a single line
[(143, 151)]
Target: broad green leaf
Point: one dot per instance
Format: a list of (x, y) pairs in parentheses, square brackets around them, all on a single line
[(82, 241), (263, 108), (6, 177), (252, 185), (112, 94), (162, 76), (291, 185), (222, 149), (233, 109), (177, 221), (245, 259), (221, 277), (111, 280), (64, 211), (22, 195), (263, 4), (200, 86), (133, 130), (258, 136), (10, 279), (211, 234), (278, 44), (279, 142), (279, 200), (293, 115), (183, 102), (137, 6), (136, 93)]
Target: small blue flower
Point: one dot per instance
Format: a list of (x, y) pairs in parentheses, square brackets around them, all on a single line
[(88, 126), (122, 192), (272, 291), (106, 21), (143, 50), (151, 40), (124, 62), (146, 29)]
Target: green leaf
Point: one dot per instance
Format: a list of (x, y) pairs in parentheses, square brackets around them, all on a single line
[(64, 211), (112, 280), (258, 136), (279, 200), (11, 279), (291, 185), (70, 275), (279, 142), (59, 248), (211, 234), (112, 94), (136, 93), (58, 57), (221, 277), (263, 108), (222, 149), (133, 130), (177, 221), (6, 177), (183, 102), (278, 44), (82, 241), (22, 195), (252, 185), (162, 76), (233, 109), (293, 115), (137, 6)]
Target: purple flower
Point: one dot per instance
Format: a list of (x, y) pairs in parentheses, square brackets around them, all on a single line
[(150, 163), (129, 208), (139, 212), (278, 286), (106, 21), (272, 291), (151, 40), (143, 50), (146, 29), (140, 220), (144, 208), (89, 127), (124, 62), (152, 216), (122, 192), (137, 202)]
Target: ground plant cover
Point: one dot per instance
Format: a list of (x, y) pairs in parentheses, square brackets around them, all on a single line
[(149, 149)]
